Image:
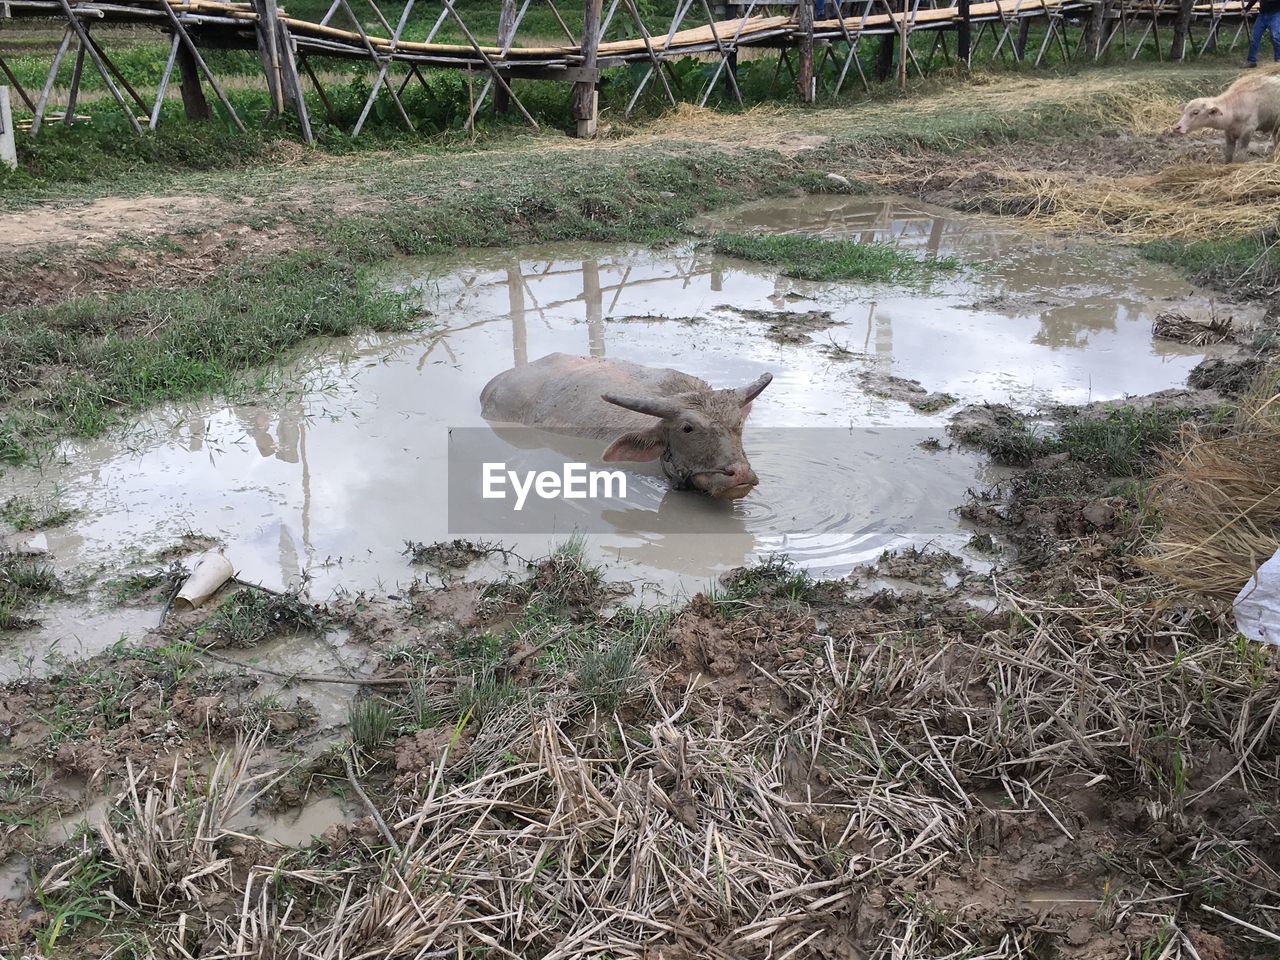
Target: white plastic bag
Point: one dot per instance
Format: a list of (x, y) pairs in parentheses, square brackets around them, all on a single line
[(1257, 606)]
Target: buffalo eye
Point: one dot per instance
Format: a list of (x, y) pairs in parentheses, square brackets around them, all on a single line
[(687, 428)]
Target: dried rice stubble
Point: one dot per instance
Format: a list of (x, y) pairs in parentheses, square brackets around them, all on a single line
[(1218, 502)]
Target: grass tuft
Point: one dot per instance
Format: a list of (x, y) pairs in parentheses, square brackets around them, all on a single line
[(33, 513), (250, 616), (371, 721), (817, 258), (23, 581)]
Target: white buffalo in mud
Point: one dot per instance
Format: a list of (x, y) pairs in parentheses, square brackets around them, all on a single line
[(645, 413), (1250, 106)]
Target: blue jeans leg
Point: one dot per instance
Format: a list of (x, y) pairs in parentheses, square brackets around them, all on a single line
[(1266, 22)]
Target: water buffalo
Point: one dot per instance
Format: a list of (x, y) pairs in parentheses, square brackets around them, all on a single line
[(1250, 106), (645, 413)]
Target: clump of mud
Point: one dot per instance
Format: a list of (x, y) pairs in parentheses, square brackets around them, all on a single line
[(456, 554), (186, 545), (905, 391), (1225, 376), (787, 327), (922, 566), (656, 318)]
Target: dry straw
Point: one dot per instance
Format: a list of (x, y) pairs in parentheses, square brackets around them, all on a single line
[(1219, 502)]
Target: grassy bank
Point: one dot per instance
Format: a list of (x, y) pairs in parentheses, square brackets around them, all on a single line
[(74, 368)]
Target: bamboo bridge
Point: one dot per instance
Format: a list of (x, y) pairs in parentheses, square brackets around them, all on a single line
[(800, 33)]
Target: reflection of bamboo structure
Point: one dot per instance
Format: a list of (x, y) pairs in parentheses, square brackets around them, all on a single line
[(286, 45)]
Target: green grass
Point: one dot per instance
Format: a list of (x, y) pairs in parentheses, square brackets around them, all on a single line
[(371, 721), (133, 349), (1244, 265), (32, 513), (23, 581), (82, 896), (1122, 442), (771, 578), (817, 258), (250, 616)]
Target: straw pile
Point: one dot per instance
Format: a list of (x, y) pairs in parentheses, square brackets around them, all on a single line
[(1190, 202), (1219, 500), (1180, 328)]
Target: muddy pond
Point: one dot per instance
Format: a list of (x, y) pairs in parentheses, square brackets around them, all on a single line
[(348, 457)]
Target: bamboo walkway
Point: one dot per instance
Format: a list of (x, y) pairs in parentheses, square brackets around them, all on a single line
[(288, 46)]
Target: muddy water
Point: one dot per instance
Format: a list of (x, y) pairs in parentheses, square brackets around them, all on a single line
[(327, 479)]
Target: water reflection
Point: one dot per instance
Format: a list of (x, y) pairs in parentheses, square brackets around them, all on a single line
[(328, 479)]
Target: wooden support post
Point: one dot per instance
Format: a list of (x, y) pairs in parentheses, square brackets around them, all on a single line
[(292, 82), (586, 99), (804, 29), (1024, 34), (1094, 27), (884, 57), (1181, 29), (506, 34), (194, 105), (965, 39)]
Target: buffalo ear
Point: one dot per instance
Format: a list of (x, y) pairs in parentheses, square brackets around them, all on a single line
[(640, 446)]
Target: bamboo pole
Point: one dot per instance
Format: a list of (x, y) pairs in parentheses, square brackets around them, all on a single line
[(506, 35), (904, 49), (117, 73), (77, 72), (164, 83), (466, 31), (382, 74), (17, 86), (648, 48), (38, 114)]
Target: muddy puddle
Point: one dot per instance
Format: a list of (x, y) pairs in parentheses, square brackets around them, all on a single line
[(326, 481)]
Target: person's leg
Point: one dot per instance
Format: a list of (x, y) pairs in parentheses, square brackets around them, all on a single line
[(1255, 38), (1275, 35)]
